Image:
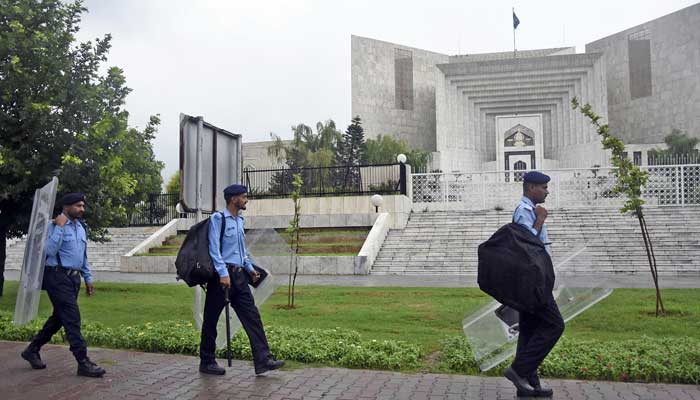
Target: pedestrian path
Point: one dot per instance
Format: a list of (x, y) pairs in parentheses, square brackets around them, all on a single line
[(134, 375)]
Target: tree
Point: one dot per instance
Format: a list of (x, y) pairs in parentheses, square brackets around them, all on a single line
[(630, 180), (680, 149), (119, 164), (60, 117), (384, 149), (352, 148), (351, 153), (173, 185), (307, 150), (293, 232)]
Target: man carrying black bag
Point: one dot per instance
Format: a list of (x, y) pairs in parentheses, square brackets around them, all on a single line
[(539, 328), (234, 272)]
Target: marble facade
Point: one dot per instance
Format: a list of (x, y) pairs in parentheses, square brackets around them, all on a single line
[(487, 112)]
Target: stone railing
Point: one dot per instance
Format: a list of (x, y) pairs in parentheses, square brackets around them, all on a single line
[(668, 185)]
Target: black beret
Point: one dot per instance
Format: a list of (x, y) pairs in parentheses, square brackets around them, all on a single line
[(535, 177), (72, 198), (235, 190)]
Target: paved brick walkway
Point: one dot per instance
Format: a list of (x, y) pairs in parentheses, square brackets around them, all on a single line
[(134, 375)]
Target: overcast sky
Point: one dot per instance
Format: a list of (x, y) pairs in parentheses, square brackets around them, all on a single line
[(255, 67)]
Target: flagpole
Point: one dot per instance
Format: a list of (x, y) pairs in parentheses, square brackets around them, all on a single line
[(514, 54)]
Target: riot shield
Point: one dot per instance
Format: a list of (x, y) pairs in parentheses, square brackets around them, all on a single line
[(492, 331), (268, 251), (32, 273)]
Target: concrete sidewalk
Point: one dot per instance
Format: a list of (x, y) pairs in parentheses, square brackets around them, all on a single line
[(602, 280), (134, 375)]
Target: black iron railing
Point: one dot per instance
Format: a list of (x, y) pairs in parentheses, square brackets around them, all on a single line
[(350, 180), (158, 209)]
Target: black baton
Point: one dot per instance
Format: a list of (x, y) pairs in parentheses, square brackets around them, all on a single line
[(228, 327)]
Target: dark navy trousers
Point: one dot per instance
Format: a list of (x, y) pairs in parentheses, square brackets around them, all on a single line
[(539, 332), (63, 292), (244, 305)]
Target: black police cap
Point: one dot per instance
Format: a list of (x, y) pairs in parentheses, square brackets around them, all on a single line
[(72, 198), (536, 177), (235, 190)]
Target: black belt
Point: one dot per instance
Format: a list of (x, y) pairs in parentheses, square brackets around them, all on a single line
[(234, 267), (67, 271)]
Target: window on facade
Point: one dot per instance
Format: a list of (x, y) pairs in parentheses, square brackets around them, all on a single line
[(637, 158), (519, 166), (639, 62), (403, 79)]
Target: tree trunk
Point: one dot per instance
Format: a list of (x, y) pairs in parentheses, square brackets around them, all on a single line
[(289, 286), (3, 256), (652, 262), (296, 262)]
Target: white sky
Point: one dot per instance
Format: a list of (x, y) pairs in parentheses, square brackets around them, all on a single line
[(255, 67)]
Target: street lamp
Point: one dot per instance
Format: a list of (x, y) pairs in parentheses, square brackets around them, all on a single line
[(401, 158), (377, 201)]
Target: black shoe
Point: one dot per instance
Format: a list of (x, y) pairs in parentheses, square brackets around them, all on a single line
[(31, 354), (269, 365), (211, 368), (521, 384), (89, 369), (540, 391)]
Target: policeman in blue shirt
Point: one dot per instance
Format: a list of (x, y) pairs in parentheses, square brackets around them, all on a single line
[(539, 331), (232, 266), (66, 262)]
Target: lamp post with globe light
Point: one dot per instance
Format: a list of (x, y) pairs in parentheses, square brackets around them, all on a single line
[(401, 158), (377, 201)]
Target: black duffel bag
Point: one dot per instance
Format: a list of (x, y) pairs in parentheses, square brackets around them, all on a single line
[(515, 268)]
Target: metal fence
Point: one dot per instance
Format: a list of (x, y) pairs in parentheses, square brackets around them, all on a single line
[(668, 185), (349, 180), (158, 209)]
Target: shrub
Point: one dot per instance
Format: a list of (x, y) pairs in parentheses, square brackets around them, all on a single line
[(670, 360), (328, 346)]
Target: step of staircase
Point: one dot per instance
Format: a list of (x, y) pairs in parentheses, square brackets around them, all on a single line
[(102, 256), (446, 242)]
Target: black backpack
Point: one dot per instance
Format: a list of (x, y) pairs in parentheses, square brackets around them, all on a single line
[(193, 263), (515, 268)]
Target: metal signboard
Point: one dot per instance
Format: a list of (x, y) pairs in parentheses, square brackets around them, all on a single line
[(210, 160)]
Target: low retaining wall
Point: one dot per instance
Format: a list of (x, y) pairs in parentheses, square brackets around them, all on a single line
[(308, 265), (373, 243), (325, 212)]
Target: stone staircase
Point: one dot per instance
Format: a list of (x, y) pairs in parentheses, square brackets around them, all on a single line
[(446, 242), (102, 256)]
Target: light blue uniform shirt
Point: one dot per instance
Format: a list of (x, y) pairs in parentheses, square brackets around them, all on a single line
[(524, 215), (232, 245), (70, 241)]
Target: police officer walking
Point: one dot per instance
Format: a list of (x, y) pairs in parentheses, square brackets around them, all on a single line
[(66, 262), (539, 331), (233, 269)]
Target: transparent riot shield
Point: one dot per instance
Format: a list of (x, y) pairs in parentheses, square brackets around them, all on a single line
[(269, 252), (492, 331), (32, 273)]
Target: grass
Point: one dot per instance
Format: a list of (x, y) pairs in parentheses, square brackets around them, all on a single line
[(422, 316), (117, 304)]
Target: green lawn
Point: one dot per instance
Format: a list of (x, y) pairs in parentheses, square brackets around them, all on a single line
[(422, 316), (312, 242)]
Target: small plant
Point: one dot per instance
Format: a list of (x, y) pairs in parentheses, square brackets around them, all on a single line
[(293, 232), (630, 180)]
